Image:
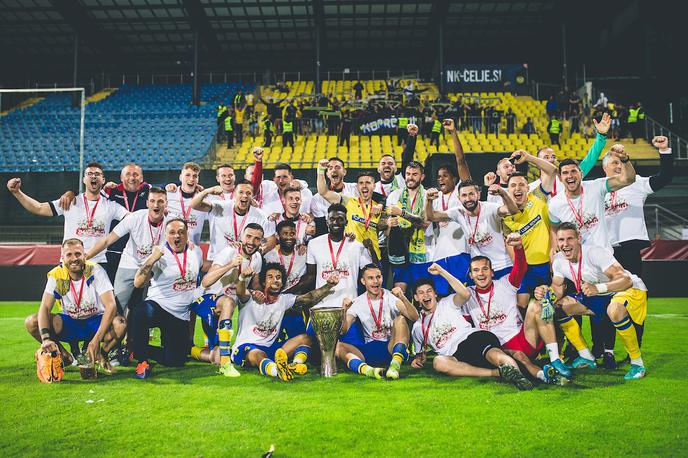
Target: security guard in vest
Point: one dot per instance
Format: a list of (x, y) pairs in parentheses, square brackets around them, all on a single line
[(267, 131), (288, 132), (221, 115), (229, 130), (402, 131), (554, 129), (635, 116), (436, 130)]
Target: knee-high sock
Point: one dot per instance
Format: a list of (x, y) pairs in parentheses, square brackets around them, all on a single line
[(628, 336), (301, 354), (360, 367), (573, 332), (224, 340), (268, 367), (399, 354), (196, 352)]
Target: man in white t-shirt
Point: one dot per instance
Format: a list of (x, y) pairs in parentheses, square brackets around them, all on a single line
[(603, 287), (290, 209), (88, 309), (230, 218), (336, 171), (260, 319), (624, 208), (144, 229), (481, 223), (173, 271), (269, 193), (462, 350), (88, 219), (583, 202), (179, 204), (505, 168), (382, 314)]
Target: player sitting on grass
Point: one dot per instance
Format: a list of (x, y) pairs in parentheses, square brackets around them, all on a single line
[(602, 286), (88, 308), (492, 305), (462, 350), (383, 316), (260, 318)]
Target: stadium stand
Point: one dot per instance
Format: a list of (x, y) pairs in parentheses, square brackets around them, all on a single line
[(154, 125)]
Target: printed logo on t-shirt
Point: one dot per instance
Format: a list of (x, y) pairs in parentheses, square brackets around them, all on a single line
[(495, 319), (384, 332), (617, 206), (265, 328), (590, 221), (442, 333), (143, 251), (188, 283), (481, 239), (95, 229), (191, 221), (342, 270), (85, 310)]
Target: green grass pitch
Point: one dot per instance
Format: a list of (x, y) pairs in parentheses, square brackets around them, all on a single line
[(191, 411)]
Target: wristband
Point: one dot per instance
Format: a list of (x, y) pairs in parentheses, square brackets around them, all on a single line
[(626, 159), (242, 277), (665, 151), (601, 288)]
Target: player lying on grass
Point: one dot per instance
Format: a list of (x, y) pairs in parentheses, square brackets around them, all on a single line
[(383, 316), (602, 286), (493, 306), (88, 308), (462, 350), (260, 318)]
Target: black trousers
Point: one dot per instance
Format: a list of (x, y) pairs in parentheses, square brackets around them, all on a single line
[(628, 255), (174, 334), (239, 129), (230, 138), (288, 139), (268, 140)]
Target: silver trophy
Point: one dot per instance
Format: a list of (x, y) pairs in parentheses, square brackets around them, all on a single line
[(327, 325)]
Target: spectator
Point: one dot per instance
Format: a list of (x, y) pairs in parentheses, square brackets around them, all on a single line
[(358, 90), (554, 129), (551, 106), (528, 127), (601, 101), (510, 121), (345, 130)]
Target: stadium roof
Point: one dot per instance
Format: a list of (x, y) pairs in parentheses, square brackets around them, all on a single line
[(246, 33)]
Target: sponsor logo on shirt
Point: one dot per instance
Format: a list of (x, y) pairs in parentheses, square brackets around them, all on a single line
[(481, 239), (188, 283), (96, 229), (143, 251), (265, 328), (531, 224), (619, 206)]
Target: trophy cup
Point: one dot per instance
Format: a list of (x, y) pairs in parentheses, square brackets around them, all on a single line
[(327, 325)]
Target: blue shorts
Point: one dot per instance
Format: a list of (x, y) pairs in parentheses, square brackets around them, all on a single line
[(292, 325), (204, 308), (354, 336), (376, 353), (73, 329), (536, 275), (410, 273), (598, 304), (497, 275), (241, 351), (456, 265)]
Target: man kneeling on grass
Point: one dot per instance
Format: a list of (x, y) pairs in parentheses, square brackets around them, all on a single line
[(88, 311), (261, 315), (462, 350)]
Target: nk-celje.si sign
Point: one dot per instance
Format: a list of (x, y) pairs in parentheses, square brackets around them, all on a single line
[(485, 77)]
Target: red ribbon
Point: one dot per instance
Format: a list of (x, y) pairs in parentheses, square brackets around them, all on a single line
[(89, 218)]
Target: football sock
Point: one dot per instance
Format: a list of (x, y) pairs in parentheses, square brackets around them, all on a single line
[(224, 340), (399, 354), (301, 354), (628, 336), (541, 375), (360, 367), (586, 353), (552, 351), (637, 361), (609, 351), (268, 367), (196, 352), (573, 332)]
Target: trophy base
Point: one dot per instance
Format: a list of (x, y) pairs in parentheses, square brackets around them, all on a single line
[(328, 366)]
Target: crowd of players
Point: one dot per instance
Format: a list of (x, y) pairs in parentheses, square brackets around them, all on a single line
[(487, 285)]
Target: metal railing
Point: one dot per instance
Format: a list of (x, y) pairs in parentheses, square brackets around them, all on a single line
[(679, 146), (665, 223)]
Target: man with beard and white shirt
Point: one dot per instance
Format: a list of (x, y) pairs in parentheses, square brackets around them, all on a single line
[(588, 162), (232, 217), (88, 219), (287, 254), (179, 204), (305, 227), (89, 315), (336, 171), (216, 309), (448, 238), (144, 230), (624, 208), (583, 202), (173, 271), (390, 180), (481, 222)]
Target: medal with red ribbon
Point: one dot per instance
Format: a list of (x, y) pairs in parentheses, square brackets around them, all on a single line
[(238, 230), (185, 213), (182, 268), (426, 330), (155, 240), (126, 200), (376, 318), (335, 260), (471, 239), (291, 261), (367, 212), (89, 217), (446, 205), (77, 299), (577, 279), (577, 214), (486, 314)]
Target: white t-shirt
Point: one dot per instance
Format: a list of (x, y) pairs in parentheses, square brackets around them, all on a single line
[(259, 324), (319, 205), (499, 315), (393, 199), (352, 258), (623, 210), (194, 218), (91, 227), (227, 225), (270, 196), (94, 286), (143, 236), (592, 223), (595, 261), (294, 265), (276, 206), (448, 236), (448, 328), (172, 291), (483, 233), (227, 284), (379, 326), (211, 198), (386, 188)]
